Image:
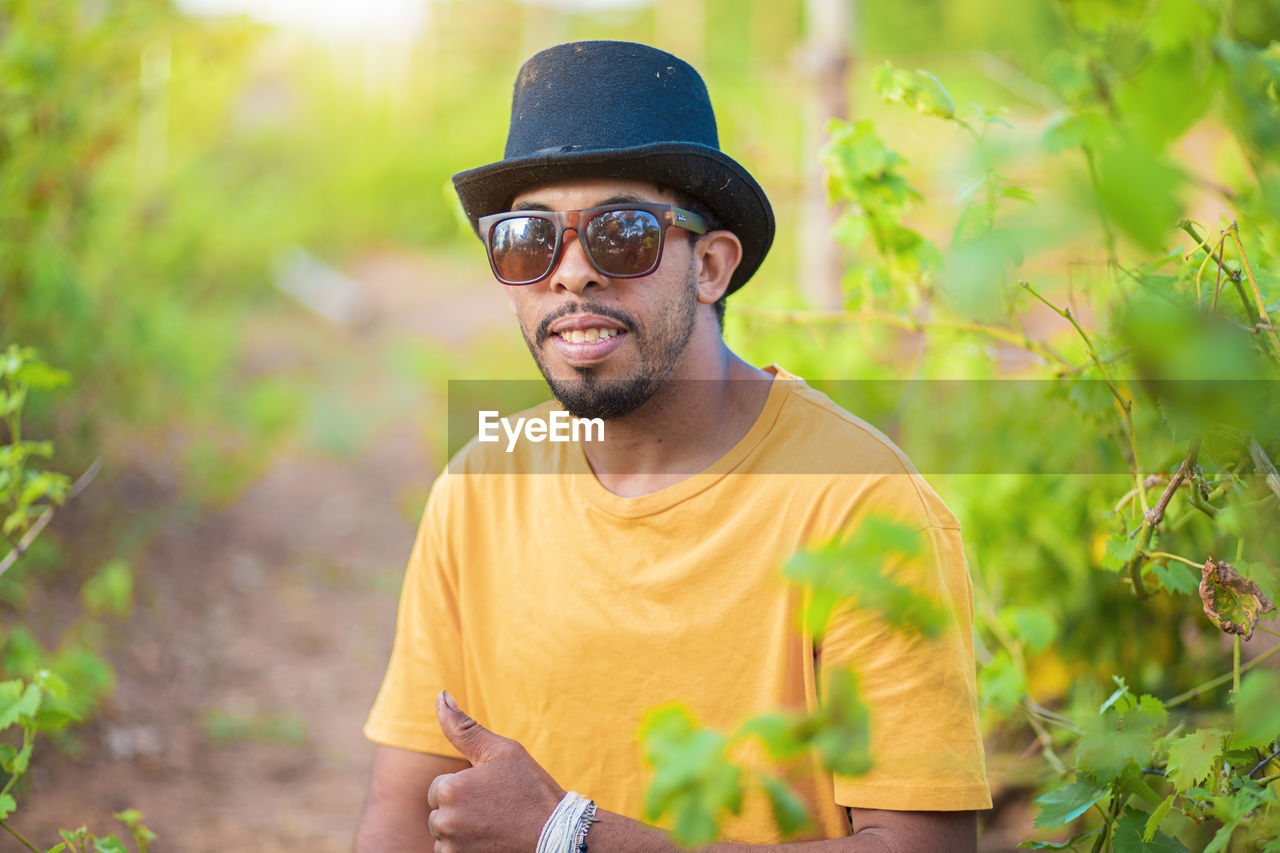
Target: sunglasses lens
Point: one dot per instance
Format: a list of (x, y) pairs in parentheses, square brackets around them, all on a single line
[(624, 242), (522, 248)]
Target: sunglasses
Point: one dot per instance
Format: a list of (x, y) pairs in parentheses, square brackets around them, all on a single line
[(620, 240)]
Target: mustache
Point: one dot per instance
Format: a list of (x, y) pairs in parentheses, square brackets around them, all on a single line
[(544, 327)]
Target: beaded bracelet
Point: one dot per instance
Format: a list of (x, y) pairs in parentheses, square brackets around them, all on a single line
[(584, 826), (566, 829)]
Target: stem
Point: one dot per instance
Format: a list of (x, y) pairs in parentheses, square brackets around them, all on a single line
[(1234, 231), (1126, 405), (1221, 679), (45, 517), (884, 318), (1235, 277), (1169, 556), (1235, 665), (1264, 465), (18, 835), (1263, 763)]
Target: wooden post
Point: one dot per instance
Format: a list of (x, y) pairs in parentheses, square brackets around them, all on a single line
[(826, 63)]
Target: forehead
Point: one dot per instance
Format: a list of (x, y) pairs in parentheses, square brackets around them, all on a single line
[(580, 193)]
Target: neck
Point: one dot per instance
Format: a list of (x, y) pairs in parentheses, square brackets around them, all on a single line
[(694, 419)]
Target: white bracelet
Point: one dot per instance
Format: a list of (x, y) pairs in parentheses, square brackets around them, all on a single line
[(559, 830)]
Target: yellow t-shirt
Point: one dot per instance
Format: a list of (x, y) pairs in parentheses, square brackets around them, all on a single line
[(558, 613)]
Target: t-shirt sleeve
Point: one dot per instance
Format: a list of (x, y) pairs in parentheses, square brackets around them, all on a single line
[(426, 656), (925, 741)]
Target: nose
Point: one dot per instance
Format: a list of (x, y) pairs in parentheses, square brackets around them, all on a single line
[(573, 271)]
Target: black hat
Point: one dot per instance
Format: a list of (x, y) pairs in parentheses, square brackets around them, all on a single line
[(620, 110)]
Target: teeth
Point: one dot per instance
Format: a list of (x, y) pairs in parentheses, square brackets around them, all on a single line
[(583, 336)]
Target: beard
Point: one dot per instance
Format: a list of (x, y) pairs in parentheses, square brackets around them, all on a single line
[(587, 395)]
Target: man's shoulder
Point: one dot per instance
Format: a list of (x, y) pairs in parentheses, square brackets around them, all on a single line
[(818, 432), (815, 436)]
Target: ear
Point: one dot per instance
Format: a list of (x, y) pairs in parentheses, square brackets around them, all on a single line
[(716, 255)]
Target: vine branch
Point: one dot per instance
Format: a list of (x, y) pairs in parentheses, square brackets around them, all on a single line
[(23, 544)]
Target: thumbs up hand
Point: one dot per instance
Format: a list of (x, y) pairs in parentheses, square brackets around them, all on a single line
[(500, 803)]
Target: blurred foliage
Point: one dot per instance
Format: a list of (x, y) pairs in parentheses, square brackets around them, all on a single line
[(1073, 260)]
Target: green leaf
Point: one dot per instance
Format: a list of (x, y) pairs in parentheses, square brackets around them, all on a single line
[(18, 703), (1138, 189), (74, 836), (1104, 752), (1128, 832), (1192, 756), (858, 571), (842, 729), (693, 781), (37, 374), (7, 806), (789, 812), (1067, 803), (109, 844), (1256, 722), (110, 590), (1157, 817), (1033, 624), (1145, 716), (1069, 844), (785, 736), (1119, 551), (1177, 578), (1174, 24), (57, 848), (1002, 683), (1121, 691)]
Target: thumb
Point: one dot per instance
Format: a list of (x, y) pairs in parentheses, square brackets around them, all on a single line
[(476, 743)]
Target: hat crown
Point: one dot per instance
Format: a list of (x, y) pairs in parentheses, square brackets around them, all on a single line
[(607, 94)]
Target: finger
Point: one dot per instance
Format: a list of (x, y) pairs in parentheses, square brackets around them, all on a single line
[(476, 743), (431, 824), (433, 792)]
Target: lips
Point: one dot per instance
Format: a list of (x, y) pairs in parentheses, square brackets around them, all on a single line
[(586, 338)]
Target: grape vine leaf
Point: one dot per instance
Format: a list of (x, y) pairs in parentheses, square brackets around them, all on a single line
[(1119, 551), (1231, 602), (1111, 743), (7, 806), (17, 701), (1191, 757), (1176, 578), (789, 812), (1128, 837), (693, 780), (1157, 816), (1069, 844), (1067, 803)]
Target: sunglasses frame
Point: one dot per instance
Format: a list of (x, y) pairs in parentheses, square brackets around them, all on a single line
[(576, 220)]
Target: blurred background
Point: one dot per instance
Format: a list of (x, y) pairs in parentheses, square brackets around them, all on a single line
[(231, 223)]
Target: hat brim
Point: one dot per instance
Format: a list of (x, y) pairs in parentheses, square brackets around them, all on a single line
[(703, 172)]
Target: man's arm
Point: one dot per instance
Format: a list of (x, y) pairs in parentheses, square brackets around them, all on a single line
[(501, 802), (876, 831), (395, 810)]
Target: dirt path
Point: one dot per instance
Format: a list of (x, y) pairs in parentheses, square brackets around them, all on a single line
[(261, 630)]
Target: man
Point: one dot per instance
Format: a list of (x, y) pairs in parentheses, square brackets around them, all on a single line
[(559, 591)]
